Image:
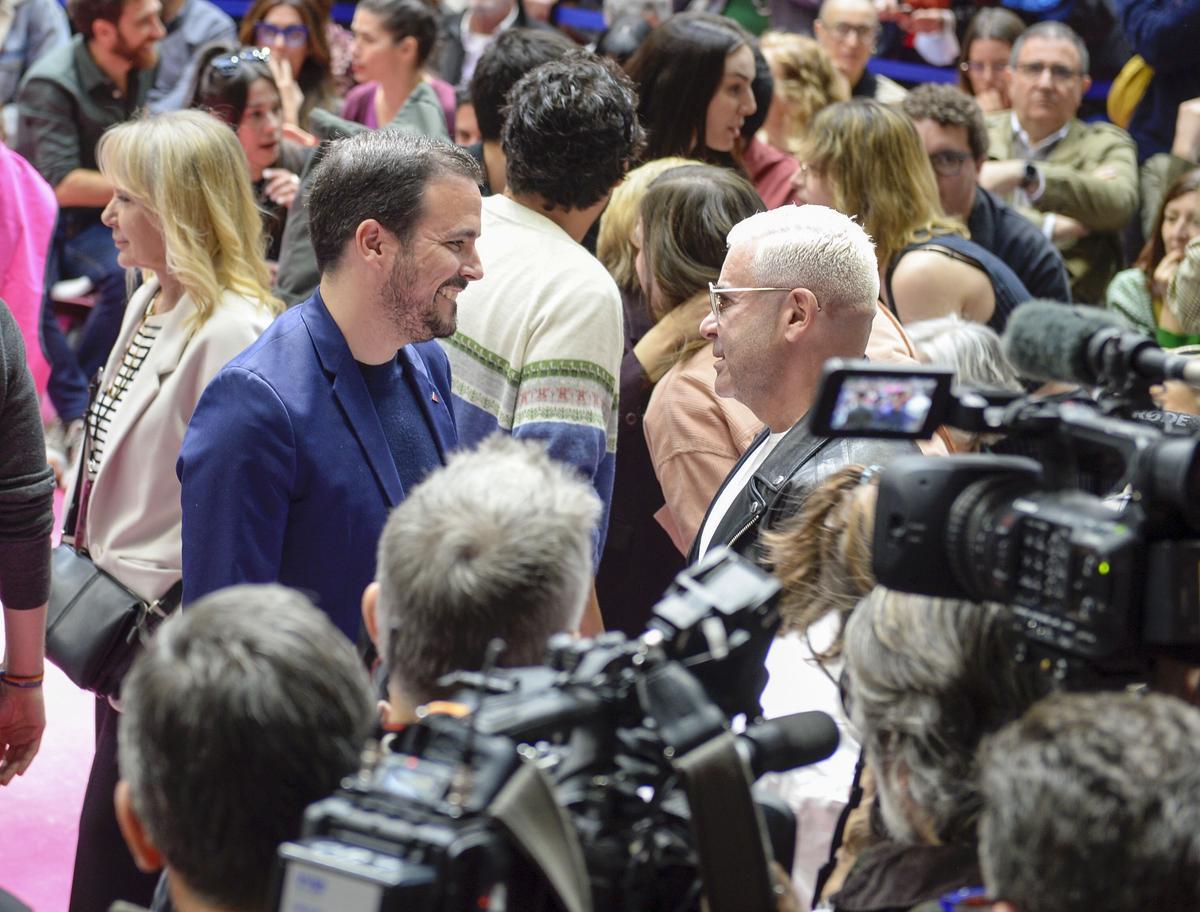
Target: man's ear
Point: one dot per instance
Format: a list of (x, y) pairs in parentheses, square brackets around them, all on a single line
[(103, 32), (371, 240), (145, 854), (1087, 84), (370, 602), (801, 310)]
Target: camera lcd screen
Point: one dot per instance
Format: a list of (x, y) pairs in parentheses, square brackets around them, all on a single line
[(867, 401)]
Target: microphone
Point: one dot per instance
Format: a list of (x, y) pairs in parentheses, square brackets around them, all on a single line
[(1046, 340), (782, 744)]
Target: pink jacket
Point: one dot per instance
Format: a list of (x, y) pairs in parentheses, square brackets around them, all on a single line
[(27, 214)]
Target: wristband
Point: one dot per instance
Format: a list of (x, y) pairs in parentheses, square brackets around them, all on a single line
[(25, 682)]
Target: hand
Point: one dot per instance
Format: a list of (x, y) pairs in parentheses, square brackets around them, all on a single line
[(290, 95), (991, 101), (788, 900), (1068, 229), (1176, 396), (22, 721), (282, 186), (1002, 176), (302, 137), (1187, 131), (1164, 272)]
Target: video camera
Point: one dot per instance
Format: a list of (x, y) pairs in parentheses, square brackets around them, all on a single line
[(1092, 543), (608, 779)]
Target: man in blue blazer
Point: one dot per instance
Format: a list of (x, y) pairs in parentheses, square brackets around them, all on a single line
[(301, 445)]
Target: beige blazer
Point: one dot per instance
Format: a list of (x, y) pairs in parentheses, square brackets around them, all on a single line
[(134, 515)]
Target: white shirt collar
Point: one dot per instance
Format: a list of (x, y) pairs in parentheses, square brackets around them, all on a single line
[(1035, 149)]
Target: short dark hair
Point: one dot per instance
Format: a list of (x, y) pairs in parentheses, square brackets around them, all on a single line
[(1092, 801), (407, 19), (222, 90), (677, 70), (511, 56), (497, 543), (571, 130), (83, 13), (377, 174), (949, 106), (246, 708)]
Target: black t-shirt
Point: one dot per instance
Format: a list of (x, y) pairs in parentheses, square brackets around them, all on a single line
[(394, 392)]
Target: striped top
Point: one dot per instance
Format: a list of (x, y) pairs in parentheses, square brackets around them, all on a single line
[(109, 399)]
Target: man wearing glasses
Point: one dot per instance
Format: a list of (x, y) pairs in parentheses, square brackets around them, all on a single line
[(798, 286), (952, 129), (1075, 181), (848, 30)]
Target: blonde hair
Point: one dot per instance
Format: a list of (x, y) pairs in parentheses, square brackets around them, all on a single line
[(879, 173), (822, 555), (614, 242), (805, 81), (188, 169)]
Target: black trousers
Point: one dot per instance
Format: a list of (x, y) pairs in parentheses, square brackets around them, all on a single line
[(104, 869)]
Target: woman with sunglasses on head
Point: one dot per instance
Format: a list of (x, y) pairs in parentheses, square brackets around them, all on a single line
[(182, 213), (986, 48), (295, 33), (392, 43), (237, 87), (866, 160)]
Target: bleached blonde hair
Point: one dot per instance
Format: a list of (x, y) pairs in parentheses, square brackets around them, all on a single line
[(188, 169), (814, 247)]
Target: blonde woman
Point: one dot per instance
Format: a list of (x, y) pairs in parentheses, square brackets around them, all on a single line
[(867, 161), (182, 213), (805, 82)]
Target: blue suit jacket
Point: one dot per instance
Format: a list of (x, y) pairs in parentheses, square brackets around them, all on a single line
[(286, 473)]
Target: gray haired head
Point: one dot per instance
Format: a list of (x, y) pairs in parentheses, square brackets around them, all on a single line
[(1092, 801), (246, 707), (927, 678), (498, 543)]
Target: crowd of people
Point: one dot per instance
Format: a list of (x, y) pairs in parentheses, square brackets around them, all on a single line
[(463, 324)]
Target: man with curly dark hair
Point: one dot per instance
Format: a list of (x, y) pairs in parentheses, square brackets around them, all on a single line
[(539, 342)]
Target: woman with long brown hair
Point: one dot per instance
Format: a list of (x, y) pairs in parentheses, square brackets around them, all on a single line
[(867, 161)]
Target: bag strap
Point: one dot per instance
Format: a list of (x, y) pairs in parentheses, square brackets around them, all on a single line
[(71, 520)]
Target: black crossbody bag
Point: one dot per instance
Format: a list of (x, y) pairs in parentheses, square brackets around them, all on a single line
[(95, 625)]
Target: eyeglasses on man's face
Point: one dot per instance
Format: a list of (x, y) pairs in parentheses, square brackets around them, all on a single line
[(948, 162), (227, 65), (1058, 73), (294, 36), (843, 30), (719, 299)]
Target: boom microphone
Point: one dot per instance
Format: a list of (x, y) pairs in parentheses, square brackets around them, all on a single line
[(784, 743), (1046, 340)]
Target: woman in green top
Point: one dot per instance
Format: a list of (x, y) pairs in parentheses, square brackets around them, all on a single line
[(1137, 293)]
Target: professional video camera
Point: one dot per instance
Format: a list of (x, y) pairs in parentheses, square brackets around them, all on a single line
[(1099, 580), (608, 779)]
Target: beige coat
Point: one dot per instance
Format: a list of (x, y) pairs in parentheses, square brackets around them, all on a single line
[(1103, 203), (134, 518)]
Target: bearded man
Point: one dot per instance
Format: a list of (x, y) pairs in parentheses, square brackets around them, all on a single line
[(301, 445)]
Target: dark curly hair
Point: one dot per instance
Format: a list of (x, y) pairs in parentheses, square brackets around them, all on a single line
[(511, 56), (571, 130), (949, 106)]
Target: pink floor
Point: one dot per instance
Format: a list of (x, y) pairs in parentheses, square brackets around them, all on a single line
[(39, 812)]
